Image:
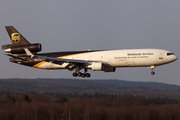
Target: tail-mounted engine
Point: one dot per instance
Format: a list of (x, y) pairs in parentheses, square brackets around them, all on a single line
[(36, 47)]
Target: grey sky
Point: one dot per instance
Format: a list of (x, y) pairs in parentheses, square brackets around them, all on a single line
[(61, 25)]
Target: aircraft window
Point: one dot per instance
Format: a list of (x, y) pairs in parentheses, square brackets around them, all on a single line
[(170, 54)]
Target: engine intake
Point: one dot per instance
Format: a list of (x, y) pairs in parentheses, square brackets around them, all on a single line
[(20, 49)]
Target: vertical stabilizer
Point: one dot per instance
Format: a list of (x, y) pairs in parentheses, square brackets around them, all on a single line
[(19, 43), (16, 37)]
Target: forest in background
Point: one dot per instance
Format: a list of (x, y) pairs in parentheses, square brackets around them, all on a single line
[(95, 106), (80, 86), (67, 99)]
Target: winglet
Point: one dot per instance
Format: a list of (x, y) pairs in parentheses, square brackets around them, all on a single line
[(28, 52)]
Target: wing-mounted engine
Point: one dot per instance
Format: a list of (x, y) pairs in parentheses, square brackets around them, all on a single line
[(34, 48), (96, 66), (99, 66)]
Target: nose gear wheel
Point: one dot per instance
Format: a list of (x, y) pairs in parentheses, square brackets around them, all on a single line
[(152, 70)]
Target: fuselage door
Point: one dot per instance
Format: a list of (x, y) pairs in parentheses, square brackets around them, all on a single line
[(161, 57)]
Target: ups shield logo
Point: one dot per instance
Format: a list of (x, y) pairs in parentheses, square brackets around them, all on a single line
[(15, 37)]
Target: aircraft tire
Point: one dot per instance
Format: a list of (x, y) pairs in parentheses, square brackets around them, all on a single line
[(75, 74), (83, 75), (88, 75), (152, 73), (79, 74)]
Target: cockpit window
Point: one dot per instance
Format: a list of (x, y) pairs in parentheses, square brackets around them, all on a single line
[(170, 54)]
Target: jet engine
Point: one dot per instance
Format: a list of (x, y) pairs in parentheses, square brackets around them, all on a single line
[(20, 49), (96, 66), (99, 66)]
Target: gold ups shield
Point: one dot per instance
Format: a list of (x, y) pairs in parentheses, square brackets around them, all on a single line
[(15, 37)]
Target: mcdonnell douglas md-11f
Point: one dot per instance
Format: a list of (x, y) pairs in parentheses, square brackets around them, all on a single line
[(24, 53)]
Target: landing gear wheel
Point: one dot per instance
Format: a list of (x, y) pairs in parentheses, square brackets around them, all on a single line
[(83, 75), (152, 73), (88, 75), (75, 74), (79, 74), (152, 70)]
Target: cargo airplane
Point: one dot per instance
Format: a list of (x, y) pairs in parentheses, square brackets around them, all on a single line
[(24, 53)]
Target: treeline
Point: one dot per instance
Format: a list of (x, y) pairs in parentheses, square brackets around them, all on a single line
[(49, 106), (119, 87)]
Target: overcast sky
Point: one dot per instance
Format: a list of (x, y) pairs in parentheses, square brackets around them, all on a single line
[(61, 25)]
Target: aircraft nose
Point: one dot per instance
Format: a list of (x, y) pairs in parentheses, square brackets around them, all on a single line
[(176, 58)]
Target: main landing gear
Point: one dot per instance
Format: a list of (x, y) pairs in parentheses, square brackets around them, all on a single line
[(152, 70), (79, 74)]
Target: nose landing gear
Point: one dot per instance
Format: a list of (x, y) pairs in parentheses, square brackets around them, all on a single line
[(152, 70)]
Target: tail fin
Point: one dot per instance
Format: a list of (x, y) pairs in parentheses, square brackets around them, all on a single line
[(16, 37), (19, 43)]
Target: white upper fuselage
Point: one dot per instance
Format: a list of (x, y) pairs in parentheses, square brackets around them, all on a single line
[(119, 58)]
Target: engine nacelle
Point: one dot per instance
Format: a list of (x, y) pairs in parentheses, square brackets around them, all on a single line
[(20, 49), (99, 66), (96, 66)]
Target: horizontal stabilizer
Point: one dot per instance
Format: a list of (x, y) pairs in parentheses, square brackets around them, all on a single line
[(16, 57)]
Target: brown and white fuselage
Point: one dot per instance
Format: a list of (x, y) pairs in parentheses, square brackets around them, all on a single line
[(96, 60)]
